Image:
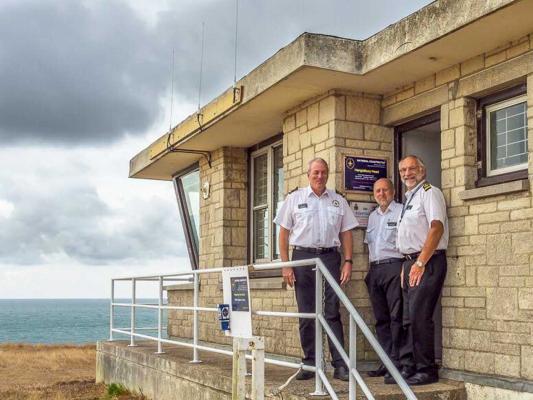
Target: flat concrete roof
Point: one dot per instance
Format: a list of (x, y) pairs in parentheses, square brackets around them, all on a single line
[(437, 36)]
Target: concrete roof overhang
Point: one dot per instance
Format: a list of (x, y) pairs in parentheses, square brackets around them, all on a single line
[(440, 35)]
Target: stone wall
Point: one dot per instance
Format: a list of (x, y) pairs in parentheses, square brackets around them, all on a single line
[(332, 126), (488, 294)]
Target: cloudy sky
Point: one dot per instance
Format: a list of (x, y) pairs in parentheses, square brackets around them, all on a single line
[(84, 86)]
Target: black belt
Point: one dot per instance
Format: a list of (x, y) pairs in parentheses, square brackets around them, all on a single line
[(386, 261), (414, 256), (316, 250)]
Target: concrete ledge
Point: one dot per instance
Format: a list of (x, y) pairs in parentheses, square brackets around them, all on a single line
[(267, 283), (517, 385), (171, 376), (495, 190)]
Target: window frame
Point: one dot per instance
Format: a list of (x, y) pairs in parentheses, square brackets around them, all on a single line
[(485, 105), (192, 248), (257, 151)]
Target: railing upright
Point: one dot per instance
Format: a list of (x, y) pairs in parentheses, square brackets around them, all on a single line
[(133, 301), (353, 358), (196, 284), (319, 351), (111, 310), (160, 318)]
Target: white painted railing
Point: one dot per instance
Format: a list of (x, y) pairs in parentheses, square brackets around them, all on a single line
[(321, 325)]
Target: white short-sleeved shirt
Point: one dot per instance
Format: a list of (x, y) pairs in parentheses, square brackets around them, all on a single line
[(427, 204), (315, 221), (382, 231)]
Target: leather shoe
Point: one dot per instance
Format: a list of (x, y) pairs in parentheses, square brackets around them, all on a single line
[(405, 372), (422, 378), (341, 373), (381, 371), (304, 375)]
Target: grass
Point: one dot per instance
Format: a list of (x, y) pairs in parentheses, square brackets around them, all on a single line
[(54, 372)]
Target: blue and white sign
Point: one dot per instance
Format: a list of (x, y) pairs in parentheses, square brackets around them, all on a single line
[(360, 173)]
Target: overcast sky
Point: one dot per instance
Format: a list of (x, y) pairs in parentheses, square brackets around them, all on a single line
[(84, 86)]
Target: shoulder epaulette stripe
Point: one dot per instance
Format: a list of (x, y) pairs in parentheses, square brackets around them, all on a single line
[(426, 186), (293, 190), (339, 193)]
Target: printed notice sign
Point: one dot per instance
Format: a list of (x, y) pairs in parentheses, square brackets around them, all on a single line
[(362, 210), (236, 292), (239, 294), (360, 173)]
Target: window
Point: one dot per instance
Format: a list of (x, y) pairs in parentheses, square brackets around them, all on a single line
[(506, 124), (187, 187), (503, 136), (266, 196)]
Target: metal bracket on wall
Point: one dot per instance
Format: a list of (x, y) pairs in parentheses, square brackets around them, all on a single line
[(206, 154)]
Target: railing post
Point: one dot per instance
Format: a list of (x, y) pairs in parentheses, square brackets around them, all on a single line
[(160, 318), (353, 359), (195, 328), (133, 301), (319, 351), (111, 310)]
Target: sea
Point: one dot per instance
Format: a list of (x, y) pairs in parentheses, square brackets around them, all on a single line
[(63, 321)]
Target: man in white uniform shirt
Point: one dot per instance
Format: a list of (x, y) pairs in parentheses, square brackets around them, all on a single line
[(316, 221), (423, 239), (383, 278)]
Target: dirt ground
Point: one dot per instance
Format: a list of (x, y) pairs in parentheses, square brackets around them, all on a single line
[(31, 372)]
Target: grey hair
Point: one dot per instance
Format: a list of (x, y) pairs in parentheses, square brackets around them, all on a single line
[(316, 159), (389, 182), (418, 160)]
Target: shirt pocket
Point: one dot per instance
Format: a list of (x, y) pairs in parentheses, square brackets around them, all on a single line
[(390, 233), (334, 215), (303, 215), (370, 235)]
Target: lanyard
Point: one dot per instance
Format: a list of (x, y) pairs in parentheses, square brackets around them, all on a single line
[(404, 208)]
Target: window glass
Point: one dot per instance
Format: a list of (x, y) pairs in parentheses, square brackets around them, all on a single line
[(191, 189), (277, 195), (267, 194), (507, 123)]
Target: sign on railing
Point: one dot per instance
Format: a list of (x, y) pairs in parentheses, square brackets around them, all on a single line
[(236, 291)]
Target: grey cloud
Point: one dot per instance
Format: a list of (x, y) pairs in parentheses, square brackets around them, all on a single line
[(89, 72), (76, 222)]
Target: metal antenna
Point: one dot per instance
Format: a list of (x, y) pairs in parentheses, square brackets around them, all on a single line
[(236, 36), (201, 64), (171, 90)]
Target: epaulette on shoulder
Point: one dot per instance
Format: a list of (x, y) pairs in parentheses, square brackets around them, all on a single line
[(340, 193), (293, 190), (426, 186)]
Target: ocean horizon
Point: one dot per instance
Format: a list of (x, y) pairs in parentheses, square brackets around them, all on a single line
[(67, 321)]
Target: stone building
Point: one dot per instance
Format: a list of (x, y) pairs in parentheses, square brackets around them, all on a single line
[(452, 83)]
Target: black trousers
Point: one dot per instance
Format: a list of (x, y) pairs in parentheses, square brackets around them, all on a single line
[(305, 297), (383, 283), (418, 349)]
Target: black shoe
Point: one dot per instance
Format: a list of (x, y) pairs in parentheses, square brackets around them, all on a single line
[(405, 372), (422, 378), (304, 375), (381, 371), (341, 373)]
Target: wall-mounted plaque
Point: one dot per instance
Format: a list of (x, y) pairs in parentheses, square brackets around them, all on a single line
[(362, 210), (360, 173)]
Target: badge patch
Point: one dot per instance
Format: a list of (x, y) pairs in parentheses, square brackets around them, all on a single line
[(391, 223), (303, 205), (336, 203)]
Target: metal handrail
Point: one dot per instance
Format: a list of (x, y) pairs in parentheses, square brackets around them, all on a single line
[(321, 380)]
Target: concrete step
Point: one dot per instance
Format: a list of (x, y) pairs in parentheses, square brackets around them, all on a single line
[(171, 376)]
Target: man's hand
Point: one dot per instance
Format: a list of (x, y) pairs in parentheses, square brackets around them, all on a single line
[(415, 275), (346, 273), (288, 276)]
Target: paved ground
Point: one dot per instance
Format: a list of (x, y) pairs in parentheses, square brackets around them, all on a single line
[(218, 368)]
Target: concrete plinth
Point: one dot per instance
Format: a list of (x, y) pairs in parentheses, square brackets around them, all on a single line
[(171, 376)]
